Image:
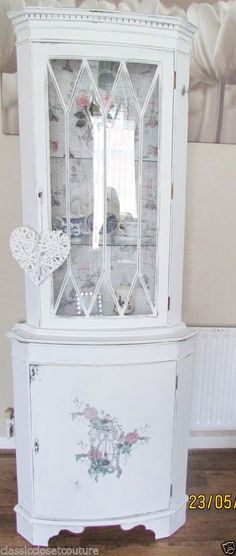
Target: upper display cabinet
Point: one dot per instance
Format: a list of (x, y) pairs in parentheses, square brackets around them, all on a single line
[(103, 124)]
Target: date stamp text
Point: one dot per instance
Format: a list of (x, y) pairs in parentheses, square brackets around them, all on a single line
[(212, 501)]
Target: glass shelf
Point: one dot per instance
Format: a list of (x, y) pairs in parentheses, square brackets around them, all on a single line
[(62, 157), (111, 244), (104, 146)]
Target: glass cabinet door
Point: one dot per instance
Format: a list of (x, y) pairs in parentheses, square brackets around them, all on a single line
[(104, 139)]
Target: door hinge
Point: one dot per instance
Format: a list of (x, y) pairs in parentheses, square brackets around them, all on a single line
[(175, 79), (168, 305), (176, 382), (36, 446), (172, 191), (171, 490), (33, 371)]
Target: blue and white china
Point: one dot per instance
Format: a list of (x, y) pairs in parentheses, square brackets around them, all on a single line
[(77, 226)]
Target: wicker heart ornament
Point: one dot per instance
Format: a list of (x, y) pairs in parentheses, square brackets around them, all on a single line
[(39, 254)]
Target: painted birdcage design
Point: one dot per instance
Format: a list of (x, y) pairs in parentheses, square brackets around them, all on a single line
[(107, 441), (104, 447)]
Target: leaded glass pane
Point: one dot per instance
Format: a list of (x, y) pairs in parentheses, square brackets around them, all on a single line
[(122, 148), (70, 304), (66, 73), (149, 198), (138, 303), (57, 175), (56, 121), (86, 185), (141, 76), (103, 127), (104, 74)]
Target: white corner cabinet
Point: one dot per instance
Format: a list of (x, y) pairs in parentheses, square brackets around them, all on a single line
[(102, 365)]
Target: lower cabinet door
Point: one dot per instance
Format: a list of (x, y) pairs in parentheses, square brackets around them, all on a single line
[(102, 439)]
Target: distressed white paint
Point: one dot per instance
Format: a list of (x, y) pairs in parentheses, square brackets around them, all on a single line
[(203, 434), (122, 391), (127, 367), (135, 384), (44, 34), (220, 433)]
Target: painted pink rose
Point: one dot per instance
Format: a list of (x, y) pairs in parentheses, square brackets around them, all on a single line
[(54, 146), (131, 437), (83, 99), (95, 455), (91, 413), (104, 98)]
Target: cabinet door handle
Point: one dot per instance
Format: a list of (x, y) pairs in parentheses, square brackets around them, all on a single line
[(184, 91), (33, 371), (36, 446)]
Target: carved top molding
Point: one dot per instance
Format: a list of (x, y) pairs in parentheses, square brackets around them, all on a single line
[(27, 16)]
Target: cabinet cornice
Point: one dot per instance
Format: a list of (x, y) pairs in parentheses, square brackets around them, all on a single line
[(167, 26)]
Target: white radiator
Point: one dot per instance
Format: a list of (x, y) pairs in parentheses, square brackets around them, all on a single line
[(213, 418)]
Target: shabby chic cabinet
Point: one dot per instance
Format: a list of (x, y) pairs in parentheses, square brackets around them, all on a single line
[(102, 365)]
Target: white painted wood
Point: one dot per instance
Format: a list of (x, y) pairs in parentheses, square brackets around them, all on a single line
[(25, 333), (120, 391), (214, 354), (23, 432), (62, 24), (157, 42), (164, 183), (116, 380), (179, 159), (28, 177), (123, 366), (40, 55), (165, 60), (217, 439), (187, 348), (104, 355), (38, 531), (181, 432)]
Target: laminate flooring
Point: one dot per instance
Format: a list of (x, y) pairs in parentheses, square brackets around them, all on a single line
[(209, 472)]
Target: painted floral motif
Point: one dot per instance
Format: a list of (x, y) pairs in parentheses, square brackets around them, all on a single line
[(108, 442)]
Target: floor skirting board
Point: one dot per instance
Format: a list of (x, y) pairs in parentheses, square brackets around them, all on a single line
[(7, 443), (210, 439)]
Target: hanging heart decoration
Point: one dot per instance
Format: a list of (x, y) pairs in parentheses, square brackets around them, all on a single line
[(39, 254)]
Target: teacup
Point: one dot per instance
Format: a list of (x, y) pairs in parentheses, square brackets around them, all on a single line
[(77, 226), (127, 228), (111, 220), (122, 292)]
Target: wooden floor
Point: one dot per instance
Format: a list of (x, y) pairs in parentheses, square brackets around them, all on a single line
[(209, 471)]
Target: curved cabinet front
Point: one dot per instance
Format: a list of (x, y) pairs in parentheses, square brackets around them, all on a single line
[(101, 435), (103, 439)]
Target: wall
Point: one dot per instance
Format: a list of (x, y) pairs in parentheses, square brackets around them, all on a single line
[(11, 277), (209, 294)]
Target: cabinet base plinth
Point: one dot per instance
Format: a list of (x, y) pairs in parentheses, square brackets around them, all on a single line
[(39, 531)]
